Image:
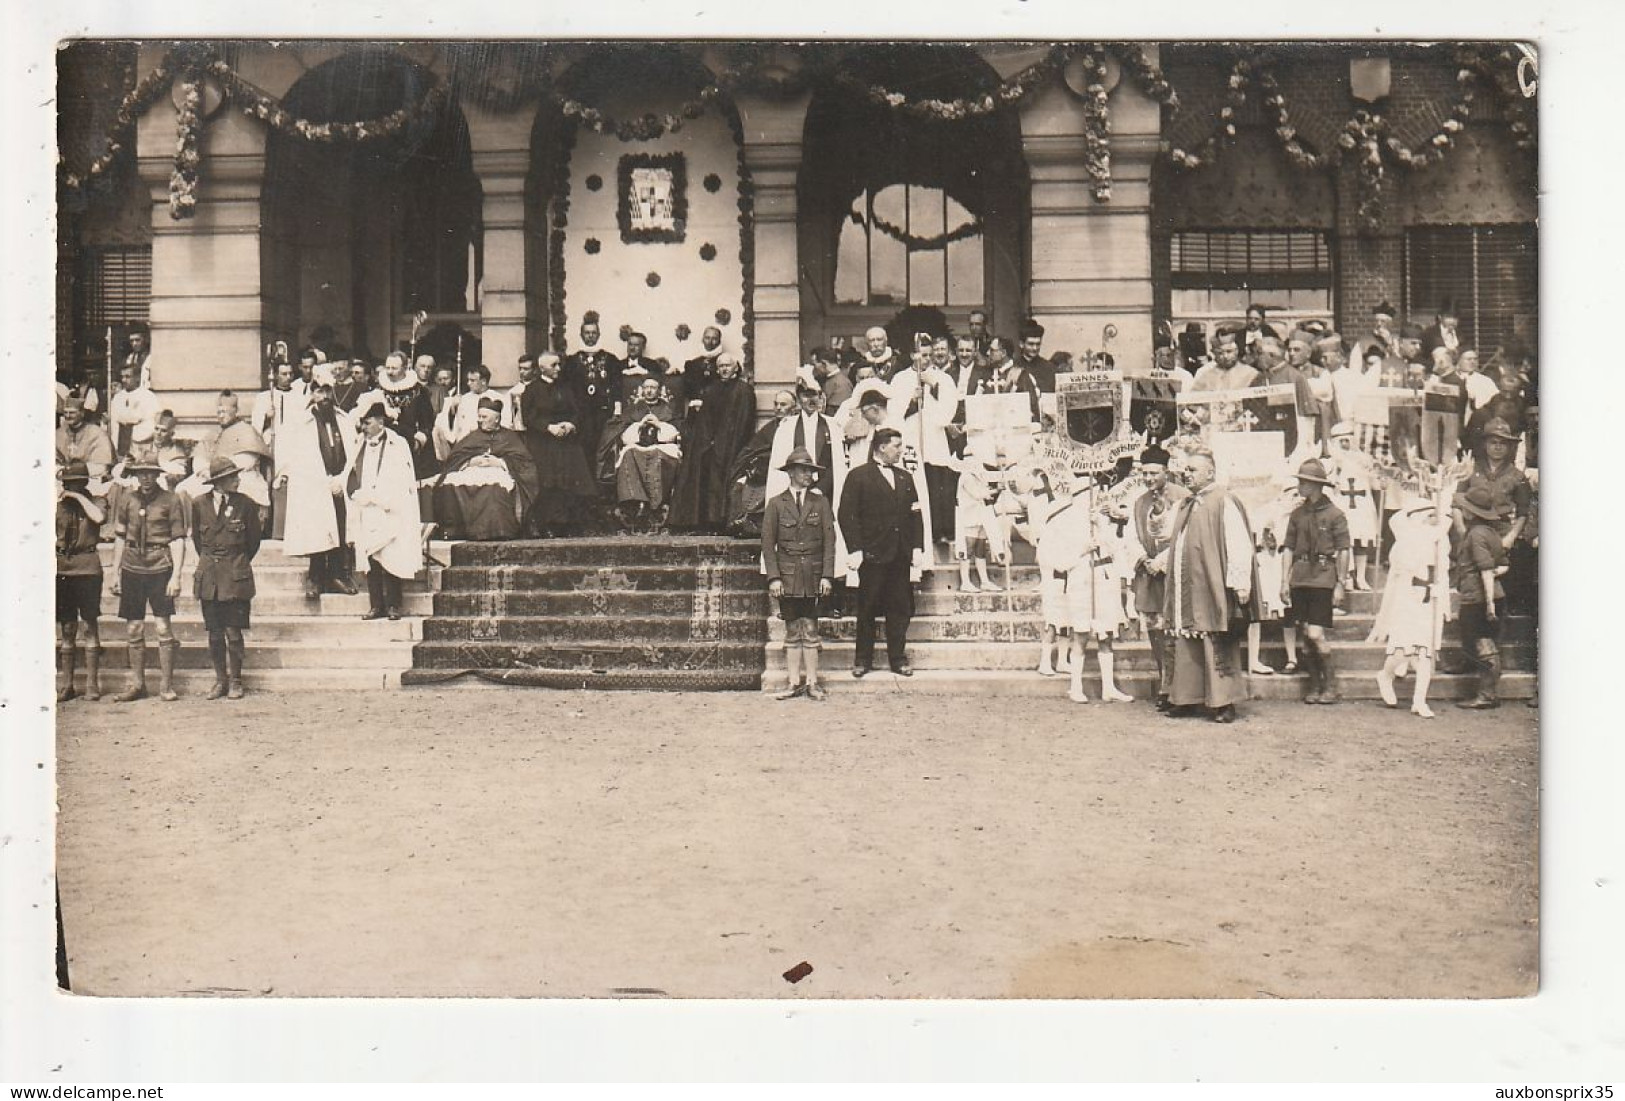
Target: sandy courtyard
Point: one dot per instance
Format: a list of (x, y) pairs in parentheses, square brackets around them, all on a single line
[(516, 843)]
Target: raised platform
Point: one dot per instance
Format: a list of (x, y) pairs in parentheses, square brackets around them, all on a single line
[(671, 613)]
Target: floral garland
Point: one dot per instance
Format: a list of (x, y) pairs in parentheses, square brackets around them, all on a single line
[(258, 104), (1097, 151), (1363, 135), (135, 103), (644, 128), (747, 251), (1007, 94), (1241, 75), (1518, 107), (1150, 78), (1432, 151), (188, 159), (555, 241), (1274, 104), (919, 244)]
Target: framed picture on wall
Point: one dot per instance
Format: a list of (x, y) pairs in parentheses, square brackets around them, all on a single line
[(653, 202)]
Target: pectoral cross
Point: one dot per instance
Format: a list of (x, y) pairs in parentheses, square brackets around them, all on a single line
[(1425, 584), (1121, 522)]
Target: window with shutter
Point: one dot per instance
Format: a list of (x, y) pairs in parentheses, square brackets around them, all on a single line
[(1217, 273), (1487, 273), (114, 289)]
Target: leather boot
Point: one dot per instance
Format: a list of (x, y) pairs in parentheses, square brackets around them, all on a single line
[(66, 692), (93, 668), (217, 658), (167, 648), (1311, 671), (1328, 676), (234, 667), (137, 653), (1489, 677)]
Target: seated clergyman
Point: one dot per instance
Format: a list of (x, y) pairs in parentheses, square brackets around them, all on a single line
[(649, 456), (490, 479)]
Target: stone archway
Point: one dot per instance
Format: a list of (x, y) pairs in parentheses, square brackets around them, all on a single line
[(584, 257), (356, 238), (865, 169)]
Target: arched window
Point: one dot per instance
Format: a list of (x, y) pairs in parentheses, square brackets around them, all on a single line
[(909, 244), (897, 211), (359, 237)]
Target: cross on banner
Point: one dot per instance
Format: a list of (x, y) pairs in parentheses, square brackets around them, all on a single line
[(1352, 494), (1425, 584), (1248, 420)]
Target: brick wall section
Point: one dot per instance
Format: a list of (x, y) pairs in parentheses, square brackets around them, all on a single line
[(1315, 82)]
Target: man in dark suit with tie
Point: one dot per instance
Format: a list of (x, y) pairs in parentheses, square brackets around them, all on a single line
[(880, 517)]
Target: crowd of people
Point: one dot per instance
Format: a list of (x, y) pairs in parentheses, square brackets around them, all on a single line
[(870, 462)]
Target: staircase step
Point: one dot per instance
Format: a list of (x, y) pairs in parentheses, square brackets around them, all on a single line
[(194, 683), (1142, 686), (330, 630), (311, 653), (597, 579), (601, 604), (665, 550), (627, 680), (599, 630), (271, 554), (335, 605), (584, 658)]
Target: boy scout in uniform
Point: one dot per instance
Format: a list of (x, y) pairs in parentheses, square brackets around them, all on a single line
[(1479, 562), (798, 556), (149, 553), (226, 531), (78, 577), (1317, 550)]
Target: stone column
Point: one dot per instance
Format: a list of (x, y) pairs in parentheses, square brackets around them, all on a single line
[(206, 307), (772, 132), (502, 285), (1091, 261)]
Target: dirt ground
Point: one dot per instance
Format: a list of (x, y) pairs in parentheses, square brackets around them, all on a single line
[(531, 843)]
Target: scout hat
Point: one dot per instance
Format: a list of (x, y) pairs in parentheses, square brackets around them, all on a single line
[(1498, 429), (74, 471), (1480, 502), (220, 469), (1312, 471), (800, 457), (143, 462)]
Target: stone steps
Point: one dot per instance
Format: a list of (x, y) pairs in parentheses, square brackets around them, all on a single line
[(194, 683), (336, 606), (619, 551), (606, 579), (1027, 684), (315, 653), (333, 630), (597, 630), (597, 605)]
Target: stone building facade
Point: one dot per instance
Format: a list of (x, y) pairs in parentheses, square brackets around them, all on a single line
[(808, 209)]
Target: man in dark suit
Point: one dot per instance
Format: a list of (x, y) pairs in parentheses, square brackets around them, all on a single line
[(880, 517), (1443, 333), (226, 532)]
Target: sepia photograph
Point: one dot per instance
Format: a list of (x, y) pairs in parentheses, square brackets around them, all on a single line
[(797, 519)]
